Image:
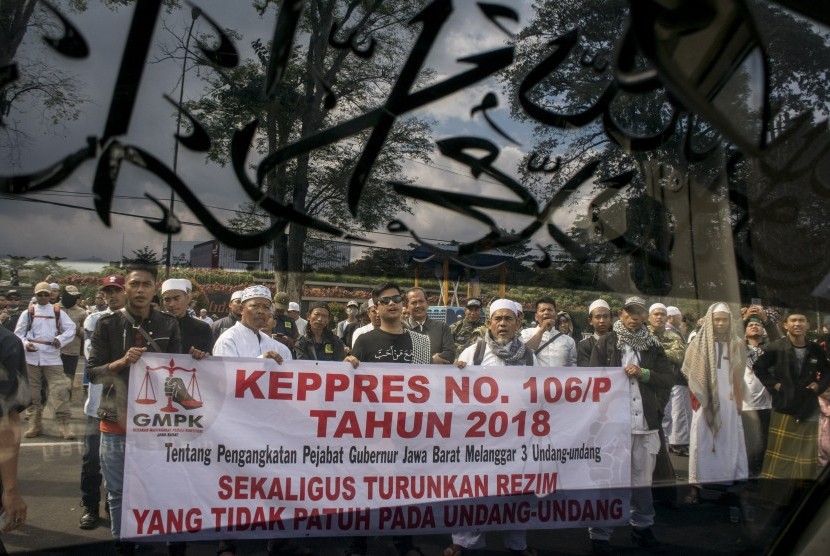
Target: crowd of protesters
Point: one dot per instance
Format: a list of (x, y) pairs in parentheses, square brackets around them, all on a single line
[(744, 395)]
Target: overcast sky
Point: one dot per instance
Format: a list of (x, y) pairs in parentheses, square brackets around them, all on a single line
[(79, 234)]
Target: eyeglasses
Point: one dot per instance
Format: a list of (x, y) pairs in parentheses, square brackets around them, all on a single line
[(43, 294), (387, 299)]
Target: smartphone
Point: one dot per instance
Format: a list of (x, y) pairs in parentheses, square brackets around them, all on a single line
[(756, 301)]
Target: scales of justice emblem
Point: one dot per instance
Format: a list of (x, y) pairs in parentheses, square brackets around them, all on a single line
[(189, 397)]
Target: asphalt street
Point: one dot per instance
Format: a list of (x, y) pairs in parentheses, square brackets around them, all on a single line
[(49, 478)]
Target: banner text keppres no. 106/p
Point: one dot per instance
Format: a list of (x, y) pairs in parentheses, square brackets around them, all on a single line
[(314, 449)]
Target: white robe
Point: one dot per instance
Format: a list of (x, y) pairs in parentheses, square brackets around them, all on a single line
[(241, 341), (721, 458)]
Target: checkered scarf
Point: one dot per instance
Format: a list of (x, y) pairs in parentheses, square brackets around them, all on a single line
[(420, 348), (512, 353), (640, 340)]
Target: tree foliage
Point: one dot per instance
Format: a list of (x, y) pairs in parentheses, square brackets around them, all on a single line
[(146, 256), (376, 263), (316, 182), (249, 218)]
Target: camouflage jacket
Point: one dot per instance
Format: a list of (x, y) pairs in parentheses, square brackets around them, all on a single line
[(672, 344), (464, 333)]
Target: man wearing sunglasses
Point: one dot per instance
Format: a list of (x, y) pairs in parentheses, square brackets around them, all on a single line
[(389, 343), (11, 314), (44, 330)]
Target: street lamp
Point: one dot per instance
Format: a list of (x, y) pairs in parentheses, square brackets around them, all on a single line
[(195, 12)]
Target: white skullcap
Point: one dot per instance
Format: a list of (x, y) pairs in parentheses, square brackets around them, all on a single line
[(371, 303), (294, 306), (255, 291), (237, 295), (671, 310), (502, 304), (54, 286), (657, 306), (598, 303), (721, 308), (175, 284), (519, 309)]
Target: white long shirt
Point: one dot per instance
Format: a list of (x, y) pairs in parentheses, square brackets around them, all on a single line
[(559, 353), (241, 341), (44, 329), (638, 416)]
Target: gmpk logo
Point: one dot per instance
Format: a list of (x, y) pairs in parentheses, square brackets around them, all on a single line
[(188, 397)]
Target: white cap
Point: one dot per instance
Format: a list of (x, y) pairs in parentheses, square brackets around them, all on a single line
[(502, 304), (721, 308), (370, 303), (657, 306), (256, 291), (294, 306), (54, 286), (671, 310), (179, 284), (237, 295), (598, 303), (519, 309)]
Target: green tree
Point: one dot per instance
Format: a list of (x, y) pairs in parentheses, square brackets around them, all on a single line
[(316, 182), (145, 255), (377, 262)]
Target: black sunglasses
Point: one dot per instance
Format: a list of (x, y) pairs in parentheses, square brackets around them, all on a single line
[(387, 299)]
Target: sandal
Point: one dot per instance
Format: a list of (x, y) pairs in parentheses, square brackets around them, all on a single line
[(454, 550), (692, 498)]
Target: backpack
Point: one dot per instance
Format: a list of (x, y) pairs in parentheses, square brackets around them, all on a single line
[(31, 312)]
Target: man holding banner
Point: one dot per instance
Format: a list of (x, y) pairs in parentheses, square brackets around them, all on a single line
[(390, 343), (246, 339), (649, 371), (119, 341), (500, 347)]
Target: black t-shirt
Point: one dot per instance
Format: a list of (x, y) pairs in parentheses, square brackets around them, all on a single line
[(377, 346)]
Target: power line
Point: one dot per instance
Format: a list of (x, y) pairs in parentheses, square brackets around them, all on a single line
[(58, 192)]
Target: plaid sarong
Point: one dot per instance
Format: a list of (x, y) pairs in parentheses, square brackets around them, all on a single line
[(792, 455)]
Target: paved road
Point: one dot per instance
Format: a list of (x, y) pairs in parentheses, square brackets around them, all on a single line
[(49, 472)]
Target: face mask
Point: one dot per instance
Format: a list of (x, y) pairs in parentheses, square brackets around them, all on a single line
[(69, 300)]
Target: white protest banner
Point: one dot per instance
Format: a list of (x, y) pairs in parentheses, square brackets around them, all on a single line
[(233, 448)]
